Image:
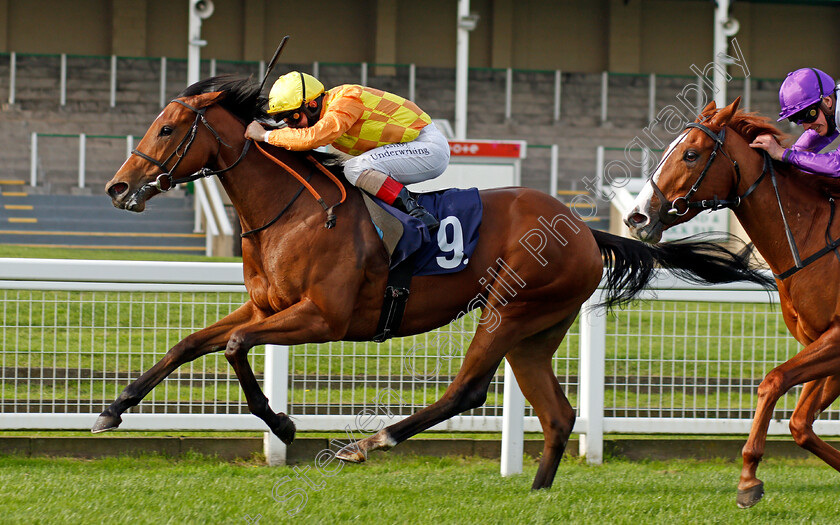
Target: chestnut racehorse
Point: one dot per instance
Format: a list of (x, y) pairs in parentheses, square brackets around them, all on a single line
[(310, 284), (710, 166)]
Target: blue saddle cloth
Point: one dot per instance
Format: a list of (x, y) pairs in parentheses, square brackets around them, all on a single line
[(448, 250)]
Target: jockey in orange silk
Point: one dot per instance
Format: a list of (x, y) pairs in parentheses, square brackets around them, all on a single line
[(393, 142)]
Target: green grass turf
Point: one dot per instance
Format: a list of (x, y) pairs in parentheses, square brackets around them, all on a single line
[(395, 490)]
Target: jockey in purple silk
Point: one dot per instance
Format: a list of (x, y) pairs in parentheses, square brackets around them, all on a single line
[(808, 97)]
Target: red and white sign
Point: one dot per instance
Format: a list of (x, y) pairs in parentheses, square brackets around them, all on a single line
[(512, 149)]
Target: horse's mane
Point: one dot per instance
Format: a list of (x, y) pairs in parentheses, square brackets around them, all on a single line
[(751, 125), (241, 95), (242, 98)]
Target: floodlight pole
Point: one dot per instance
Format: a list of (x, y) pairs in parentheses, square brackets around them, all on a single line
[(198, 10), (725, 27)]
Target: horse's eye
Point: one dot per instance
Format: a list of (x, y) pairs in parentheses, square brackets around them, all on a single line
[(165, 131), (690, 156)]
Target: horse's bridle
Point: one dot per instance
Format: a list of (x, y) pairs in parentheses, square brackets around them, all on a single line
[(165, 181), (669, 211)]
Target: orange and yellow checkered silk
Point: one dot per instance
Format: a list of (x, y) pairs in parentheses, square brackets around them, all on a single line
[(356, 119)]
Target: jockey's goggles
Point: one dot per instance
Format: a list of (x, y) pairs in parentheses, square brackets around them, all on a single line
[(289, 117), (806, 116)]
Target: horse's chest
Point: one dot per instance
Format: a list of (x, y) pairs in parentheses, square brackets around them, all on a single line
[(271, 294), (805, 316)]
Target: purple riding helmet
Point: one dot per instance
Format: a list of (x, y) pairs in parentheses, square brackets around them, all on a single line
[(802, 88)]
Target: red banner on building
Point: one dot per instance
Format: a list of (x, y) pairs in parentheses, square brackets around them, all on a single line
[(487, 148)]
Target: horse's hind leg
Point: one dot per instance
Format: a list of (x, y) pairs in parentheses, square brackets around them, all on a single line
[(816, 396), (467, 391), (469, 388), (531, 363)]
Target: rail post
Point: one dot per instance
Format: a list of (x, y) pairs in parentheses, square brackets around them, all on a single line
[(277, 390), (113, 86), (593, 330), (12, 76), (605, 84), (162, 82), (33, 161), (82, 144), (651, 98), (553, 170), (747, 105), (508, 94), (513, 425), (412, 81), (62, 82)]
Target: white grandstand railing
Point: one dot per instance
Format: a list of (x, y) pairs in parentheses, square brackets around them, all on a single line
[(210, 214), (86, 327), (210, 211)]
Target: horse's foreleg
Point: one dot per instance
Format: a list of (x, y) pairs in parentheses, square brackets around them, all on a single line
[(817, 360), (210, 339), (816, 396), (300, 323)]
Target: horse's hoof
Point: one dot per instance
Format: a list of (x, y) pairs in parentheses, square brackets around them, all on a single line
[(106, 422), (749, 497), (351, 454), (285, 430)]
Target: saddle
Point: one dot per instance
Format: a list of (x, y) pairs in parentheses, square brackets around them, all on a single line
[(412, 251)]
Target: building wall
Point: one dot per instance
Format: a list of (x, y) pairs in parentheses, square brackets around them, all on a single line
[(55, 26), (633, 36)]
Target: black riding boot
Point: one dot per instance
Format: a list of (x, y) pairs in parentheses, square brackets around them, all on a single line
[(405, 202)]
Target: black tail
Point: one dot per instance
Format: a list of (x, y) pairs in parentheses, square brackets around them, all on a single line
[(631, 264)]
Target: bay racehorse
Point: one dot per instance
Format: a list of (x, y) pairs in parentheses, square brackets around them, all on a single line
[(310, 284), (789, 216)]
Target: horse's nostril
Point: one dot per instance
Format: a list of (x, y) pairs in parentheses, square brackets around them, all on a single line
[(638, 219), (117, 189)]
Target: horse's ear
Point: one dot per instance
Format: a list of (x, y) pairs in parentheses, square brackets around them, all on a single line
[(205, 99), (707, 111), (723, 116)]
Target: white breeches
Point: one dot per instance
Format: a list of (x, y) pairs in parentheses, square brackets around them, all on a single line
[(424, 158)]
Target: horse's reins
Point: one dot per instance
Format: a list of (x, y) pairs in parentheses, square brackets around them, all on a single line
[(328, 209), (165, 181), (669, 211)]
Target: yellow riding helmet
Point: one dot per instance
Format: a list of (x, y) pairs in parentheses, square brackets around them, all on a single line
[(293, 90)]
